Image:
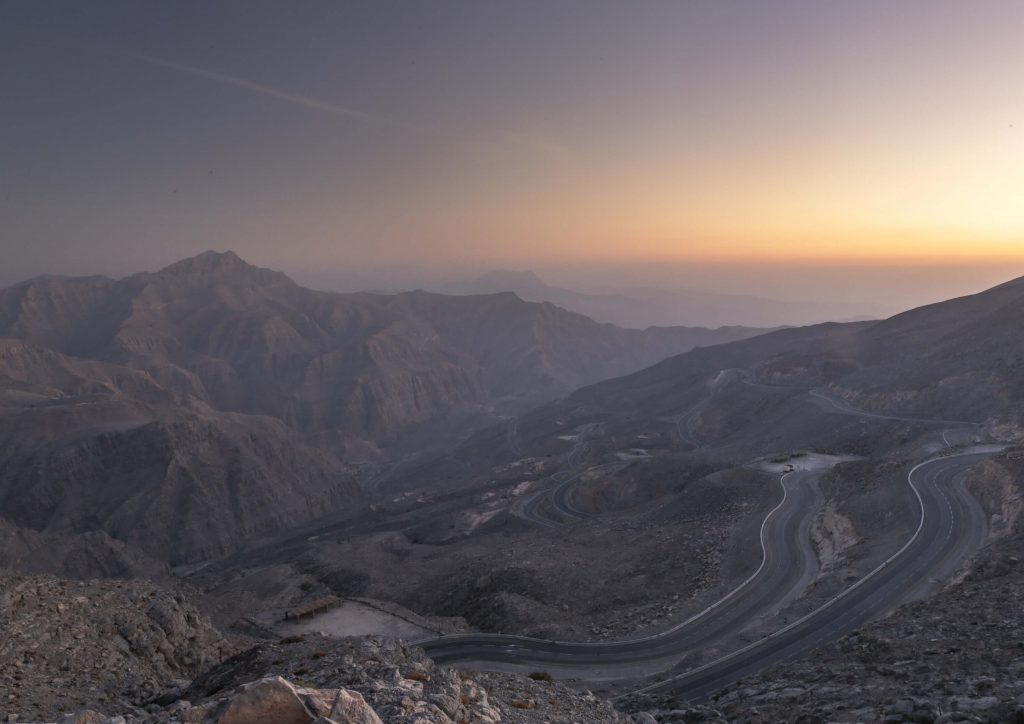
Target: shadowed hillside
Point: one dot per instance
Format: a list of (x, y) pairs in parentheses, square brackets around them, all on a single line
[(190, 409)]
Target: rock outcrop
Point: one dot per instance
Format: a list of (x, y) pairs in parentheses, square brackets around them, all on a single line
[(318, 680), (272, 699), (398, 682), (111, 652), (105, 645)]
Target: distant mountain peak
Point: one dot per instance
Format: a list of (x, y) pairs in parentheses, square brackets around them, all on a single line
[(510, 280), (208, 261), (226, 257), (220, 265)]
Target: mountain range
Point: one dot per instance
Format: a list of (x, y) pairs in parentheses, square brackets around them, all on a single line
[(187, 410), (220, 419), (960, 359)]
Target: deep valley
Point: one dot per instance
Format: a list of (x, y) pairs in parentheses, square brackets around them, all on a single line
[(476, 481)]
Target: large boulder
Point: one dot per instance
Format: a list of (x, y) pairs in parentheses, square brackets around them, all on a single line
[(273, 699), (270, 699), (340, 705)]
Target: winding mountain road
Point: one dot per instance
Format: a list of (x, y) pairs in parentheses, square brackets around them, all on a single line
[(512, 438), (558, 499), (835, 404), (951, 527), (788, 565)]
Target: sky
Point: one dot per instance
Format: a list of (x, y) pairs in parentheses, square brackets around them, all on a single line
[(788, 148)]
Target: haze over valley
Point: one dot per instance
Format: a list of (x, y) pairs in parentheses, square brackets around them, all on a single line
[(576, 362), (160, 397)]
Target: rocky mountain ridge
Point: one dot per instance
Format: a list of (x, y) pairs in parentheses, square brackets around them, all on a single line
[(187, 410), (250, 340), (955, 360)]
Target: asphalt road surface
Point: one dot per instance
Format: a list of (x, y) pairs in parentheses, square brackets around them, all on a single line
[(952, 527), (835, 404)]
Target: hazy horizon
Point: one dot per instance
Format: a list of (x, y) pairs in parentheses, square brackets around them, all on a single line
[(870, 290), (867, 152)]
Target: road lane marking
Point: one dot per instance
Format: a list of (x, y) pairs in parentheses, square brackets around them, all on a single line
[(827, 604), (667, 632)]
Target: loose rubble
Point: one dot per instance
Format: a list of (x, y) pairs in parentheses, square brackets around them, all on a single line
[(132, 667), (400, 683), (109, 644)]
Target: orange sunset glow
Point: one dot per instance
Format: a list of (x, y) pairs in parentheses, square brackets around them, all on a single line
[(535, 135)]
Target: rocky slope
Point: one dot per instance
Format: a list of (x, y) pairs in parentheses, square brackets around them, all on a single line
[(95, 447), (69, 645), (401, 684), (543, 351), (115, 651), (959, 360), (78, 555)]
